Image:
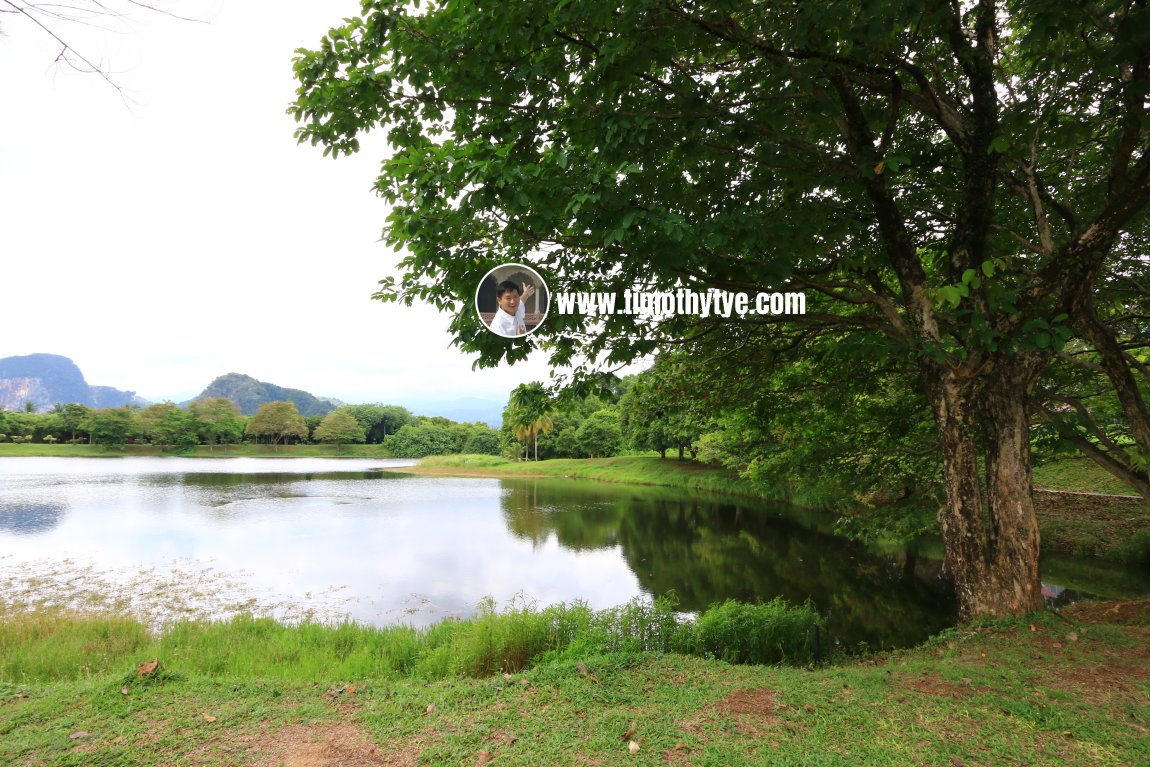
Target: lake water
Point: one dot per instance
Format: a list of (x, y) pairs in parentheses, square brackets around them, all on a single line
[(327, 538)]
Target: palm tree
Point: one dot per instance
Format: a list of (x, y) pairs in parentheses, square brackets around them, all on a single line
[(520, 427), (541, 425), (529, 412)]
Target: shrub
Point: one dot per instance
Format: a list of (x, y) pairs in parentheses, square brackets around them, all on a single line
[(774, 632)]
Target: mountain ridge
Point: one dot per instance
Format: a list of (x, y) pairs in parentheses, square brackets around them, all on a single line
[(249, 393), (49, 379)]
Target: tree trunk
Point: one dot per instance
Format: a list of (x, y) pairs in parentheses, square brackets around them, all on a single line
[(989, 526)]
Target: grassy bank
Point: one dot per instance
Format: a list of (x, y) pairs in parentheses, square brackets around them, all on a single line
[(633, 470), (1067, 690), (1079, 475), (52, 645), (200, 451)]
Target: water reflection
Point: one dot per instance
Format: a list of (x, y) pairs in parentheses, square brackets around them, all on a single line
[(710, 550), (265, 478), (30, 518)]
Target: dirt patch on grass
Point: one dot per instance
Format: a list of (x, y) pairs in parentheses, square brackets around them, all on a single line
[(679, 755), (752, 711), (330, 745), (1133, 613), (1112, 674), (758, 703), (933, 684)]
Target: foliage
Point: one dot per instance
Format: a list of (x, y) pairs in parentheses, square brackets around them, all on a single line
[(774, 632), (71, 418), (427, 436), (528, 414), (217, 420), (378, 421), (600, 435), (338, 427), (47, 646), (277, 422), (553, 431), (111, 426), (1136, 551), (166, 424), (482, 441), (656, 413), (962, 186)]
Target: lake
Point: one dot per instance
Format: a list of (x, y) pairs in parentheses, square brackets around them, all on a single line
[(327, 538)]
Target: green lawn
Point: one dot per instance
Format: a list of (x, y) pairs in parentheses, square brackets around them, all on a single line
[(1078, 475), (1070, 690), (635, 470)]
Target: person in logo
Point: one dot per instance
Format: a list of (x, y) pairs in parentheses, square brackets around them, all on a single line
[(508, 320)]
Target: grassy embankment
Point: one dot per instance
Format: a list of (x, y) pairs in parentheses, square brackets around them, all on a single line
[(1068, 690), (633, 470), (32, 450)]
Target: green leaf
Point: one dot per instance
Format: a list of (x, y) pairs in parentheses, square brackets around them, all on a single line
[(1000, 145), (897, 161), (951, 295)]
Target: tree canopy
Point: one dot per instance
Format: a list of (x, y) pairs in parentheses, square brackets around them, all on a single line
[(961, 189), (339, 427), (277, 421)]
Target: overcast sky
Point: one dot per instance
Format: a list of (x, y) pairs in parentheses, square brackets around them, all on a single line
[(184, 234)]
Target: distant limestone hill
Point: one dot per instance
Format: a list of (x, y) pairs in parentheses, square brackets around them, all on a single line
[(249, 394), (47, 379)]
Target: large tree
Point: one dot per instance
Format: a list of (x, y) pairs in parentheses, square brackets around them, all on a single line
[(956, 180), (339, 427), (277, 421), (216, 419)]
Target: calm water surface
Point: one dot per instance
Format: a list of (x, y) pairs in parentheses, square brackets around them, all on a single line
[(392, 548)]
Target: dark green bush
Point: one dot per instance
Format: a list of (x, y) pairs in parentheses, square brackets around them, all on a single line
[(1136, 552)]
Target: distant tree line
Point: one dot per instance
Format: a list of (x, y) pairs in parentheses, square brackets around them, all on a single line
[(638, 413), (217, 421)]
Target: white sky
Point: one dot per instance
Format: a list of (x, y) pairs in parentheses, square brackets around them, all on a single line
[(185, 235)]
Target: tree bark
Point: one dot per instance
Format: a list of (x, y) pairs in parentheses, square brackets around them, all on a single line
[(989, 526)]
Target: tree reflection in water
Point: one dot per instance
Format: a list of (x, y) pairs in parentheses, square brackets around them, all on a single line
[(708, 548)]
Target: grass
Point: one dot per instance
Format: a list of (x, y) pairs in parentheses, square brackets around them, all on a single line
[(464, 461), (634, 470), (49, 646), (1070, 690), (1078, 475)]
